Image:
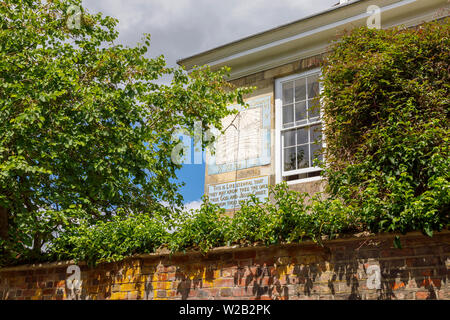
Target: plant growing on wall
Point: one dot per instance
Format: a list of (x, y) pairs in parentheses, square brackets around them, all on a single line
[(386, 113), (85, 134)]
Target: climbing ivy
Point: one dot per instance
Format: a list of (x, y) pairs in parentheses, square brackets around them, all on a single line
[(386, 114)]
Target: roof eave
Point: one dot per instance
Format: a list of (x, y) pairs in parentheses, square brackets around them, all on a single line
[(182, 61)]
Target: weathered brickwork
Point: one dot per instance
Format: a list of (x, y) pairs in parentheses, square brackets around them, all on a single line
[(339, 270)]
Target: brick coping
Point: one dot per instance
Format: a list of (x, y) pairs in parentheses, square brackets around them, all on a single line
[(234, 248)]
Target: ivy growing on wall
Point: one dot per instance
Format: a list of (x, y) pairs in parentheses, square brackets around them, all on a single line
[(386, 114)]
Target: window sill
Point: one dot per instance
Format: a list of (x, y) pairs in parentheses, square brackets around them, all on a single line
[(299, 181)]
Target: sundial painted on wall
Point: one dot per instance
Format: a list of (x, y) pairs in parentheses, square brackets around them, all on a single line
[(244, 144), (246, 141)]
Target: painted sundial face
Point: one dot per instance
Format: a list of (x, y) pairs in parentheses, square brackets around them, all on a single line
[(246, 141)]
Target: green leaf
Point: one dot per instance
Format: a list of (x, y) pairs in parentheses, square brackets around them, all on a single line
[(428, 231), (397, 243)]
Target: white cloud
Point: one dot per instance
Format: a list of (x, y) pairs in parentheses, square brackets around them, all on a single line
[(193, 205), (180, 28)]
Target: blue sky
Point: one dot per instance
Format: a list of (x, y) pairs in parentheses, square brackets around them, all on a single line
[(181, 28), (194, 177)]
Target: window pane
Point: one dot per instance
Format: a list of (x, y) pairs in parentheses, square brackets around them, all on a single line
[(303, 157), (302, 135), (302, 143), (316, 152), (300, 89), (288, 93), (316, 133), (314, 174), (295, 177), (288, 116), (300, 112), (313, 86), (289, 138), (313, 109), (289, 159)]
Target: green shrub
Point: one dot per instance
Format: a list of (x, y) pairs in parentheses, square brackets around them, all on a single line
[(386, 114), (289, 217), (201, 229), (269, 222), (110, 240)]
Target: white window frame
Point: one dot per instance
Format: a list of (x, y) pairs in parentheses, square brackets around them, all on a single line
[(279, 167)]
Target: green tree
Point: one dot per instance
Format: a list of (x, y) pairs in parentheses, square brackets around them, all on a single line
[(86, 127)]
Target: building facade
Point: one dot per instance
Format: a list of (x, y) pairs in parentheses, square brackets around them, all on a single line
[(278, 137)]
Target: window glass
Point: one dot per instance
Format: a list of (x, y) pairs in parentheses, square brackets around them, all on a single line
[(288, 116), (300, 89), (302, 135), (288, 93), (313, 86), (300, 113), (289, 159), (301, 127), (302, 156), (289, 138)]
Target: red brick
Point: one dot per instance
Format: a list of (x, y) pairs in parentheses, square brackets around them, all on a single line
[(436, 282), (228, 272), (48, 291), (424, 266), (223, 283), (213, 292), (422, 295), (422, 262), (283, 280), (242, 292), (171, 276), (428, 250), (398, 285), (179, 259), (245, 263), (265, 281), (261, 298), (390, 253), (428, 282), (28, 293), (226, 292), (245, 254), (266, 261), (162, 277)]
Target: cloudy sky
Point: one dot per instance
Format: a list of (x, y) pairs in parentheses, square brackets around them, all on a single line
[(181, 28)]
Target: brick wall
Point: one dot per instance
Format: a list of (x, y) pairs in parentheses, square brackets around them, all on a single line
[(339, 270)]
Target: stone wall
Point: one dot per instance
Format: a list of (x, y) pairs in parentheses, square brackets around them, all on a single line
[(338, 270)]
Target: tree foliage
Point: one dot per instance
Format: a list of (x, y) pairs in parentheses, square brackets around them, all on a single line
[(86, 126)]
